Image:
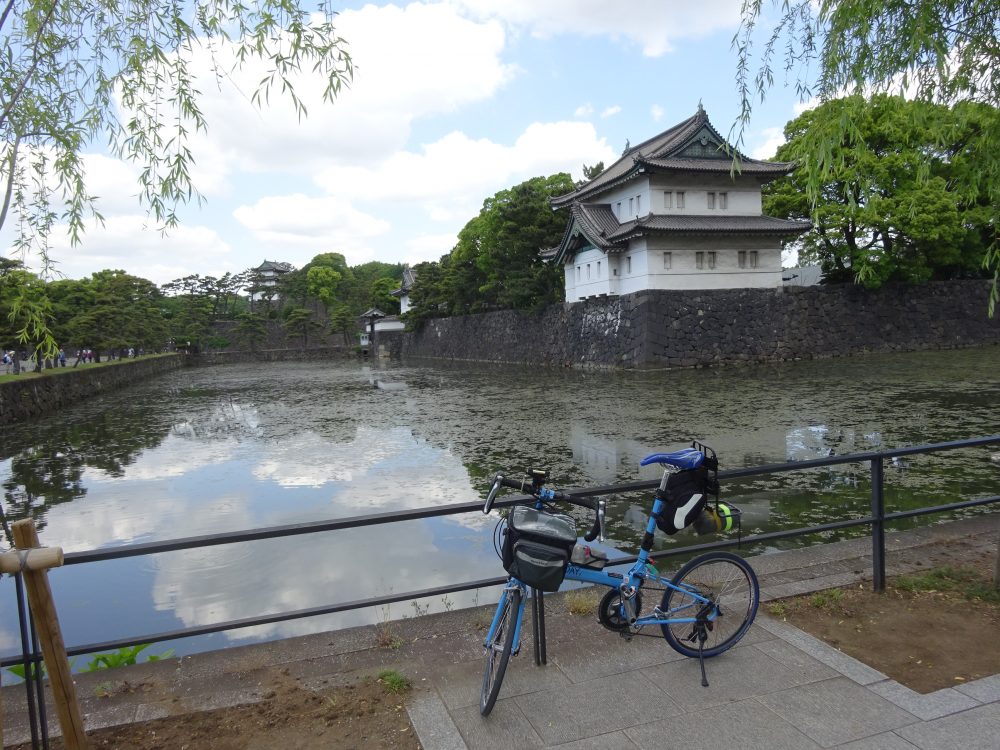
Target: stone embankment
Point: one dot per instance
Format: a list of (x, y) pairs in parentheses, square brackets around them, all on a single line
[(312, 354), (30, 396), (670, 329)]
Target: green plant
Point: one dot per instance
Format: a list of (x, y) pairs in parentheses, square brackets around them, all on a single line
[(393, 681), (824, 599), (964, 581), (778, 609), (124, 657), (581, 602), (18, 670), (385, 634)]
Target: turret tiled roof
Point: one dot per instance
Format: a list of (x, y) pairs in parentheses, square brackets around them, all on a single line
[(597, 224), (690, 146)]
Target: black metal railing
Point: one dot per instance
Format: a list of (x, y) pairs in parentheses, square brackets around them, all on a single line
[(877, 520)]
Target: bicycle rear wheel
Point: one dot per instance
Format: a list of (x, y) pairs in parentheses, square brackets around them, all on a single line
[(730, 583), (498, 649)]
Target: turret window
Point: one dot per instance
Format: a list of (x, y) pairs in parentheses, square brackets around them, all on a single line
[(680, 199)]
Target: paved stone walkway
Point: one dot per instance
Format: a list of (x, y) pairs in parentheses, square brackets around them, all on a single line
[(780, 688)]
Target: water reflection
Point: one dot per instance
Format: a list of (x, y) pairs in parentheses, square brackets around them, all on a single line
[(228, 448)]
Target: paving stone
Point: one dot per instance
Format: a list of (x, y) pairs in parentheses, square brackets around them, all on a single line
[(925, 706), (596, 707), (886, 741), (612, 741), (600, 657), (983, 690), (460, 685), (742, 672), (823, 652), (432, 723), (802, 665), (836, 711), (109, 717), (976, 729), (150, 711), (505, 727), (745, 725)]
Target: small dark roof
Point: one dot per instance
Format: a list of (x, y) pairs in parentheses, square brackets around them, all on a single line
[(592, 223), (690, 146), (276, 266), (409, 276), (372, 312)]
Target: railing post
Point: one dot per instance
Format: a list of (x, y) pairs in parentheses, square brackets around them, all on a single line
[(878, 525)]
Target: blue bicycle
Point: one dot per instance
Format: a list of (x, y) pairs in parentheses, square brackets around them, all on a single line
[(705, 609)]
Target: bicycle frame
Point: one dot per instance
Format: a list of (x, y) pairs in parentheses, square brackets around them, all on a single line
[(635, 578)]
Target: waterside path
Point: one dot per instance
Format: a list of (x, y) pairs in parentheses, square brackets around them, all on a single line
[(781, 688)]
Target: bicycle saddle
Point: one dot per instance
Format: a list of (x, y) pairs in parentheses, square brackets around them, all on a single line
[(687, 458)]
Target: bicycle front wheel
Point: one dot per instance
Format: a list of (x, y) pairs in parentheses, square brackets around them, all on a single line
[(730, 584), (498, 648)]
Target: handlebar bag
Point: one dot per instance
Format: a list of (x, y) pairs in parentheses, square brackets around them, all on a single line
[(686, 495), (537, 546)]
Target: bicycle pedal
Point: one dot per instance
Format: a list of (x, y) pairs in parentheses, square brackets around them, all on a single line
[(625, 634)]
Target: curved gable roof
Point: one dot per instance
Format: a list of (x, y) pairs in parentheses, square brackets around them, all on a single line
[(693, 145)]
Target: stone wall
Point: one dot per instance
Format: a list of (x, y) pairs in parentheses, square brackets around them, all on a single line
[(316, 354), (30, 396), (699, 328)]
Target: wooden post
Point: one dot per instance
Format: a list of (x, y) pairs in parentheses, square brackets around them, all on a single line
[(53, 649)]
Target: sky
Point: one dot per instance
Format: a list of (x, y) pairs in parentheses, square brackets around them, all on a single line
[(451, 102)]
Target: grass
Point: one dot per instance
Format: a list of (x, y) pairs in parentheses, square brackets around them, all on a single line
[(30, 373), (826, 599), (393, 681), (962, 581), (581, 602)]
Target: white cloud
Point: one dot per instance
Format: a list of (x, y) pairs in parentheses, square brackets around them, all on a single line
[(652, 24), (584, 110), (410, 62), (459, 165), (133, 243), (429, 247), (611, 111), (773, 138), (311, 224), (657, 112)]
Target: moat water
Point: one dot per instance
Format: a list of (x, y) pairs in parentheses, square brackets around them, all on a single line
[(229, 448)]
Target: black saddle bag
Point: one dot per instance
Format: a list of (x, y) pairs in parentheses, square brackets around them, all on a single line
[(537, 546), (686, 495)]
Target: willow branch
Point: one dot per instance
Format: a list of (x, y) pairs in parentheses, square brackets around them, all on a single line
[(9, 107)]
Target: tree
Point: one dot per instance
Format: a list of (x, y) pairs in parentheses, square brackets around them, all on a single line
[(876, 218), (590, 173), (74, 72), (299, 322), (941, 51), (250, 328)]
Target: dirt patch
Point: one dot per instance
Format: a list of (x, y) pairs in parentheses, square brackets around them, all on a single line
[(924, 631), (366, 714)]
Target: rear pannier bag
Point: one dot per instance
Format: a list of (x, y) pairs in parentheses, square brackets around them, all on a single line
[(537, 546), (686, 495)]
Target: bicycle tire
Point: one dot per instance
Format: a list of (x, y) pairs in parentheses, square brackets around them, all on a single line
[(730, 581), (497, 651)]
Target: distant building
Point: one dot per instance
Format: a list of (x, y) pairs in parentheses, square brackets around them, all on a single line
[(671, 213), (409, 276), (268, 274)]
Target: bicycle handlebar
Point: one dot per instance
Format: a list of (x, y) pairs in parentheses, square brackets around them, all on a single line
[(598, 506)]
